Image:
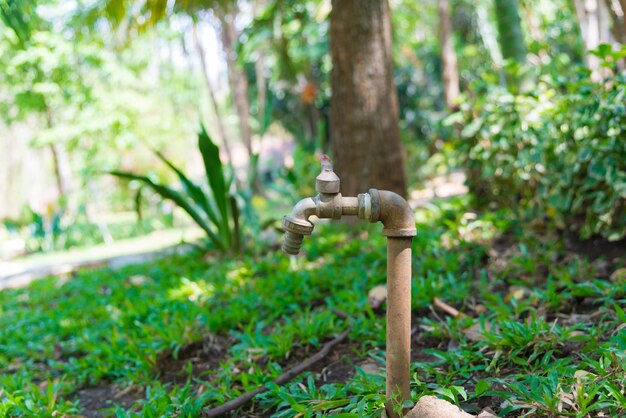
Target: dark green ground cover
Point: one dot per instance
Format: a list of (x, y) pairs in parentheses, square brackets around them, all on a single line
[(170, 338)]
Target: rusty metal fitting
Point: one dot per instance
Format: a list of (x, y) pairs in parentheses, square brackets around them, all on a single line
[(292, 243), (394, 212), (297, 226), (329, 206), (365, 206), (295, 230), (327, 181), (375, 203)]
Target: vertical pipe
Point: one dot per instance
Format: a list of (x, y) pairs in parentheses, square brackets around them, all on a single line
[(398, 322)]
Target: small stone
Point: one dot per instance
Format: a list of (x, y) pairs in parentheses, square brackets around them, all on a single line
[(487, 413), (433, 407), (619, 275), (377, 296), (371, 368)]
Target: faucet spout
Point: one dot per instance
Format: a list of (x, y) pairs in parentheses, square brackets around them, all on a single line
[(297, 225), (304, 209)]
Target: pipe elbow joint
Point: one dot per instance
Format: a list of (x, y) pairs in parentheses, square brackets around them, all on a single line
[(394, 212)]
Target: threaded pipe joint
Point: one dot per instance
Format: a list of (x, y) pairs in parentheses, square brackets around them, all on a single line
[(292, 243)]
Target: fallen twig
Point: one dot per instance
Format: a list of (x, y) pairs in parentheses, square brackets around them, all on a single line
[(283, 378), (439, 304)]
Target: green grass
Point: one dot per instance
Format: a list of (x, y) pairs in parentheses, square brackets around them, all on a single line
[(554, 347)]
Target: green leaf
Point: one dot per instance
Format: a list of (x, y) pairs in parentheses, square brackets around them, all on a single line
[(602, 51), (482, 386), (215, 174), (168, 193), (191, 189), (235, 215), (460, 390), (472, 128)]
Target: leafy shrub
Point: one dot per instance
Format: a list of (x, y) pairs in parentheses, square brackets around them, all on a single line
[(216, 209), (558, 150)]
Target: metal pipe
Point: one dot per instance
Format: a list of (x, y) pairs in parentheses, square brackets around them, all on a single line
[(350, 206), (398, 361)]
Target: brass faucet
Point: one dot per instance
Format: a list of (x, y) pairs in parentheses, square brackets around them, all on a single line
[(394, 212)]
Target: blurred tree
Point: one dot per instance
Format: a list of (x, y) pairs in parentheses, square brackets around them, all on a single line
[(293, 38), (205, 75), (37, 78), (364, 130), (236, 75), (450, 70), (128, 15), (617, 9), (88, 106), (511, 37), (601, 22)]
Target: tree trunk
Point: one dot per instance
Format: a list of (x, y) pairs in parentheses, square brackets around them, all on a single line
[(618, 14), (488, 35), (209, 87), (364, 130), (58, 176), (616, 9), (622, 4), (511, 37), (261, 97), (450, 70), (259, 70), (236, 78), (59, 162), (593, 17)]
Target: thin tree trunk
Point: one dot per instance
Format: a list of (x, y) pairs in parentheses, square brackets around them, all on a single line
[(618, 14), (511, 37), (487, 34), (622, 4), (56, 161), (58, 176), (593, 16), (236, 78), (261, 95), (209, 87), (604, 23), (364, 129), (619, 20), (259, 69), (450, 70)]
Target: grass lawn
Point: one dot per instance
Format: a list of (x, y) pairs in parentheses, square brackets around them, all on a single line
[(542, 329)]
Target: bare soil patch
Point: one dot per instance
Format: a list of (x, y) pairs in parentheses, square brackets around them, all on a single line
[(95, 400), (204, 357)]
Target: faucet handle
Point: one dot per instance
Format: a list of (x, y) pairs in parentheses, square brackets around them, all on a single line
[(327, 181)]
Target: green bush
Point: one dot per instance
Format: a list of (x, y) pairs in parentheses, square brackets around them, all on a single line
[(558, 150), (214, 205)]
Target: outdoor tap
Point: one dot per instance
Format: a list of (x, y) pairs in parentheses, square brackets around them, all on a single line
[(327, 204), (377, 205), (394, 212)]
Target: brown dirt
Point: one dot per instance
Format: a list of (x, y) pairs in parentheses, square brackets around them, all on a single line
[(595, 248), (339, 366), (419, 342), (205, 357), (95, 399)]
